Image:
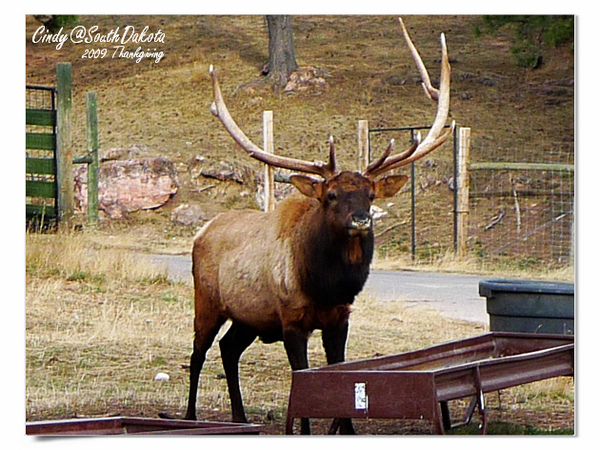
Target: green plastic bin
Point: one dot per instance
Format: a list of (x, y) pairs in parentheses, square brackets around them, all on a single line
[(526, 306)]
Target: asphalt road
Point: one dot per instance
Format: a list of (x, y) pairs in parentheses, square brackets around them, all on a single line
[(453, 295)]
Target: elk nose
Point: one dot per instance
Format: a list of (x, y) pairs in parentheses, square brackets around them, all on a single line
[(361, 221)]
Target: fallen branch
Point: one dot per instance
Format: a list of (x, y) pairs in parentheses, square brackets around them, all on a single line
[(390, 228), (517, 209), (496, 220), (205, 188)]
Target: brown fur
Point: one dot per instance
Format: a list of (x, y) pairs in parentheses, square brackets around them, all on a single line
[(281, 275)]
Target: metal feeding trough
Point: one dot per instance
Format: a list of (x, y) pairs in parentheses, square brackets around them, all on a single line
[(418, 385), (136, 426)]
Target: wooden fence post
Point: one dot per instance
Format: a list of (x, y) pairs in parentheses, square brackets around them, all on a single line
[(573, 242), (91, 109), (364, 154), (64, 151), (462, 186), (269, 184)]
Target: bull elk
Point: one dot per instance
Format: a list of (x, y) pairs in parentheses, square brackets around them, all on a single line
[(281, 275)]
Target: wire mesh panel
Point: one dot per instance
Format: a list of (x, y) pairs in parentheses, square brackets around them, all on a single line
[(40, 131), (522, 210), (419, 220)]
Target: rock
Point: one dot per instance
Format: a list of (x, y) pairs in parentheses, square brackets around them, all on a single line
[(305, 78), (221, 170), (139, 183), (129, 185), (188, 215), (394, 80), (112, 154), (161, 376), (223, 175), (114, 210), (377, 213), (281, 191)]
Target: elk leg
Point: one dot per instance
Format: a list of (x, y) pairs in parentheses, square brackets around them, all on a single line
[(232, 345), (205, 333), (334, 342), (295, 343)]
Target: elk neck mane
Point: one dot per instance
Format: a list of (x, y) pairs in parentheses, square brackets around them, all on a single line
[(333, 267)]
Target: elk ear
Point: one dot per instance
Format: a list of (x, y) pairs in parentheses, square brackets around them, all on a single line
[(389, 186), (307, 185)]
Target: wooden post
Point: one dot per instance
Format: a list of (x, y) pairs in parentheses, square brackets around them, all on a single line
[(573, 242), (364, 153), (269, 185), (462, 186), (91, 109), (64, 151)]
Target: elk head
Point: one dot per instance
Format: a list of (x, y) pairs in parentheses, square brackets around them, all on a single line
[(350, 194)]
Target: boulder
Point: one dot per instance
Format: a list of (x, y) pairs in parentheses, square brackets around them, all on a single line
[(187, 214), (125, 186)]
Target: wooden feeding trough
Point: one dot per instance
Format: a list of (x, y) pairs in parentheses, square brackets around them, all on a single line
[(418, 385), (136, 426)]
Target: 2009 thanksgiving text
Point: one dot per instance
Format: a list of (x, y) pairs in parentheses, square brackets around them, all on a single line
[(81, 34)]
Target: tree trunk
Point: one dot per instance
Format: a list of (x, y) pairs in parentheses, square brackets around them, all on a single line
[(282, 56)]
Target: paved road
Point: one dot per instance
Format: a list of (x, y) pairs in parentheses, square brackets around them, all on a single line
[(453, 295)]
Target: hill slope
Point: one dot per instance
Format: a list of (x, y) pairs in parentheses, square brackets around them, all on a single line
[(163, 108)]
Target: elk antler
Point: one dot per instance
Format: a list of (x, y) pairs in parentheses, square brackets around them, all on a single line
[(436, 136), (219, 109)]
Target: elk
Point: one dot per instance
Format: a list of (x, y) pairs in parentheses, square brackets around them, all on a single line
[(281, 275)]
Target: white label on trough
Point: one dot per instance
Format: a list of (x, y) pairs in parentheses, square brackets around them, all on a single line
[(361, 401)]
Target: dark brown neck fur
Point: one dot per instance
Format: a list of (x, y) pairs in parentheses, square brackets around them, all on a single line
[(333, 266)]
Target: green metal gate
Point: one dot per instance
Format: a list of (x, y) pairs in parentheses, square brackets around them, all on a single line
[(41, 188)]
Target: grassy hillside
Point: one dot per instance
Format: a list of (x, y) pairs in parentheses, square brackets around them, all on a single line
[(163, 108)]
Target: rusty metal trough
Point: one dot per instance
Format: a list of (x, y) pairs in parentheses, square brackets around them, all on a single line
[(419, 384), (136, 426)]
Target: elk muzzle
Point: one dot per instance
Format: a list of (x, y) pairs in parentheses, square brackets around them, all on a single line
[(360, 223)]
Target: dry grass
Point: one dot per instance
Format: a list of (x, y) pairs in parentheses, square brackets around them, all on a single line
[(100, 325), (451, 263), (92, 321)]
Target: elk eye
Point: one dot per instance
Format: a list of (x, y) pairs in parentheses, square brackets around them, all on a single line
[(372, 196), (331, 196)]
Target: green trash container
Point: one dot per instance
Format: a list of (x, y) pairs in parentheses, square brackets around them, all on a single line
[(526, 306)]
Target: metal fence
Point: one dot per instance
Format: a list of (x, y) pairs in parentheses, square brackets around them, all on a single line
[(521, 204), (423, 215), (40, 131), (522, 207)]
